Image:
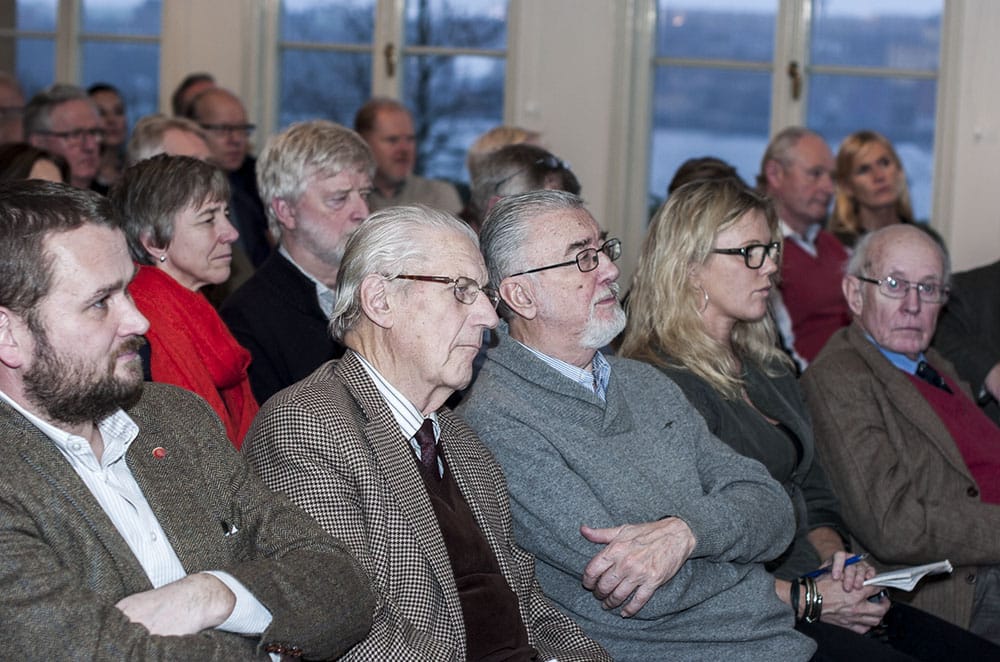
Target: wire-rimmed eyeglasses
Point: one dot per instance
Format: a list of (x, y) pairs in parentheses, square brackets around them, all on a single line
[(754, 254), (77, 136), (586, 260), (225, 130), (550, 162), (898, 288), (466, 289)]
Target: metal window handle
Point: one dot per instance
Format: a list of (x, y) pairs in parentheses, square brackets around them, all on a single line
[(796, 76), (390, 59)]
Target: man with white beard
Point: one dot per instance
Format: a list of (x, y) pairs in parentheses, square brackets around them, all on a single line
[(616, 485)]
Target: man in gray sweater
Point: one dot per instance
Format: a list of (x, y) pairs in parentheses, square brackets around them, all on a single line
[(648, 531)]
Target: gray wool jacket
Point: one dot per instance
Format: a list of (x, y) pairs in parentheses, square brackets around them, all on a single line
[(572, 459)]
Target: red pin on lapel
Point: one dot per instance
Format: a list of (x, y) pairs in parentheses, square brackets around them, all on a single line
[(159, 452)]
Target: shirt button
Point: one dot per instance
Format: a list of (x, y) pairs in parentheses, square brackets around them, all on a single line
[(152, 536), (76, 447), (972, 491)]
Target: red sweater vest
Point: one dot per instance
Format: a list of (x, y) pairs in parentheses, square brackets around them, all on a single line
[(810, 287), (975, 435)]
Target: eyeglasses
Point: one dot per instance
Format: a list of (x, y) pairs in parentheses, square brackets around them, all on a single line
[(550, 162), (898, 288), (466, 290), (240, 130), (754, 254), (76, 136), (586, 260)]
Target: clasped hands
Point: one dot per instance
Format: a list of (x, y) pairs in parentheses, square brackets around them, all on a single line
[(187, 606), (637, 559), (845, 596)]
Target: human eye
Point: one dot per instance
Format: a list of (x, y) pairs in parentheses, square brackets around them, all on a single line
[(892, 284), (365, 193), (863, 170), (928, 288), (885, 162)]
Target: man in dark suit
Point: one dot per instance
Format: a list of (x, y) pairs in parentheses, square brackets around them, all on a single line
[(366, 447), (910, 455), (315, 178), (129, 528), (969, 333)]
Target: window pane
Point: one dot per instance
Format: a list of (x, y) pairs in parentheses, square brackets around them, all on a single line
[(346, 84), (328, 21), (707, 112), (37, 15), (453, 100), (133, 68), (902, 110), (716, 29), (457, 23), (134, 17), (34, 62), (902, 34)]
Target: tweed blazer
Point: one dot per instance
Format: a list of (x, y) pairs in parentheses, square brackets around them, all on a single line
[(906, 493), (333, 446), (276, 316), (63, 565), (968, 332)]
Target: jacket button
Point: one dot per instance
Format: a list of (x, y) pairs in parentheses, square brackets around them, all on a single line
[(973, 491), (970, 578)]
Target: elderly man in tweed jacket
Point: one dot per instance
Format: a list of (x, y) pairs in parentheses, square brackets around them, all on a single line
[(366, 447), (129, 527)]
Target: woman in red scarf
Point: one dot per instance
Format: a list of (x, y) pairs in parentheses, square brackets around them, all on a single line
[(174, 211)]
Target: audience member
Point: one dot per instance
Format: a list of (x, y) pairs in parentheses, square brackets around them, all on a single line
[(64, 120), (114, 492), (518, 169), (192, 85), (699, 313), (316, 178), (22, 161), (909, 453), (705, 167), (159, 134), (871, 187), (111, 107), (11, 109), (968, 333), (366, 447), (796, 172), (616, 485), (387, 127), (173, 209), (494, 139), (221, 115)]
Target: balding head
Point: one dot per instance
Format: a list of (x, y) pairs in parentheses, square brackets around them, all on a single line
[(222, 115)]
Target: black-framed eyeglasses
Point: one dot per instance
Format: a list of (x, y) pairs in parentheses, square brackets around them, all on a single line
[(550, 162), (466, 289), (754, 254), (229, 129), (898, 288), (76, 136), (586, 260)]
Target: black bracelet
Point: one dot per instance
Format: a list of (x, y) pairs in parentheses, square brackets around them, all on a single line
[(794, 595)]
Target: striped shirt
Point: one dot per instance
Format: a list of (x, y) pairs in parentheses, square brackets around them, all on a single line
[(594, 380)]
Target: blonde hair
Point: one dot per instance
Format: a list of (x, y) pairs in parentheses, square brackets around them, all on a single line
[(664, 308), (844, 220), (494, 139)]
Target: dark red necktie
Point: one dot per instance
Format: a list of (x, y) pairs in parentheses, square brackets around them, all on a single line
[(428, 449)]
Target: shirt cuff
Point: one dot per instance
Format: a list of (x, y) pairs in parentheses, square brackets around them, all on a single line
[(249, 616)]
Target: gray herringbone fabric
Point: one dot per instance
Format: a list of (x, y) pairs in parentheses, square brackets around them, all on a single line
[(332, 445), (63, 565)]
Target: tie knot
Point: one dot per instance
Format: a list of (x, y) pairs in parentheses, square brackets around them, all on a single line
[(931, 376)]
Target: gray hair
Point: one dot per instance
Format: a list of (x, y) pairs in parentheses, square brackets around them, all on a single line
[(778, 150), (147, 136), (318, 148), (505, 230), (868, 249), (38, 112), (389, 243)]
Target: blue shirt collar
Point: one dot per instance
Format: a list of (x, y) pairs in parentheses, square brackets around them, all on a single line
[(901, 361)]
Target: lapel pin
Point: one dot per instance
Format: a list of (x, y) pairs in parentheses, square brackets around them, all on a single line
[(159, 452)]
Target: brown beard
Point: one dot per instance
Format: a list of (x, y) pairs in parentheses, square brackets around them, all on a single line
[(69, 392)]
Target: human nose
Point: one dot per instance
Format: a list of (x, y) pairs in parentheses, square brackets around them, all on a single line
[(359, 208), (911, 300), (770, 264), (485, 313), (227, 231), (826, 183), (133, 323)]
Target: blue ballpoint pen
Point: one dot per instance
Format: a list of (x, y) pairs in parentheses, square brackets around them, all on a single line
[(822, 571)]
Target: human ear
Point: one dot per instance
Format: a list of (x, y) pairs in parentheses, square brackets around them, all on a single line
[(12, 335), (375, 301), (851, 287), (518, 296)]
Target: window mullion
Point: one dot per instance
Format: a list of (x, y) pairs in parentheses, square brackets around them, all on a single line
[(389, 21), (791, 45), (68, 44)]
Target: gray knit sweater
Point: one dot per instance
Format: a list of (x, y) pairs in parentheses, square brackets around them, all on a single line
[(572, 459)]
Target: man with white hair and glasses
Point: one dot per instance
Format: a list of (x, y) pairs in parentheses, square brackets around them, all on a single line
[(647, 530)]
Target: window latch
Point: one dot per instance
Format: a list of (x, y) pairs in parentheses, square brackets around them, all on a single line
[(796, 76)]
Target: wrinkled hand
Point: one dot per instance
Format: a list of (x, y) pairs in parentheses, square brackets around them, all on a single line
[(845, 596), (187, 606), (637, 560)]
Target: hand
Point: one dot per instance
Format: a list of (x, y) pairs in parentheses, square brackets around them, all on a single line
[(638, 559), (187, 606), (992, 382), (852, 577), (849, 608)]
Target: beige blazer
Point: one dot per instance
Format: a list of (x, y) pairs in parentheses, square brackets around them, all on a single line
[(332, 445)]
